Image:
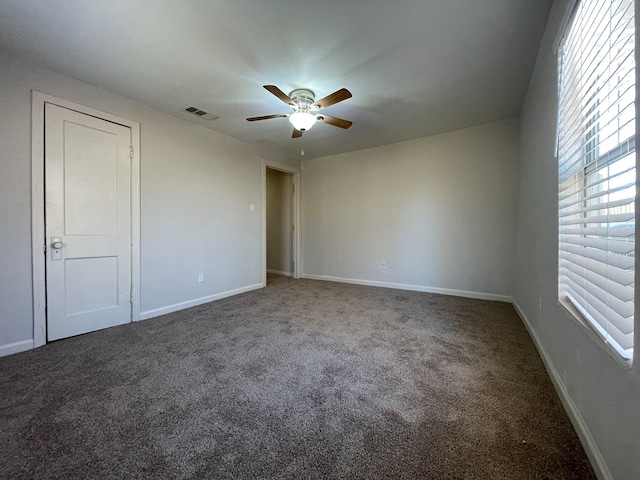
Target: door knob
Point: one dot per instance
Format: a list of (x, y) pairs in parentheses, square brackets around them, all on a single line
[(56, 248)]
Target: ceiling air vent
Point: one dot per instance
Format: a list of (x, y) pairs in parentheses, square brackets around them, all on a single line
[(201, 113)]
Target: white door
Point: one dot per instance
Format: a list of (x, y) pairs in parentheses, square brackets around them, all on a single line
[(88, 222)]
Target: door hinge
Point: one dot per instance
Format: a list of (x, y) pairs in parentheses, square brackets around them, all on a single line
[(131, 152)]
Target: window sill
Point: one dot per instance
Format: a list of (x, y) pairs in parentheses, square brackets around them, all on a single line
[(574, 314)]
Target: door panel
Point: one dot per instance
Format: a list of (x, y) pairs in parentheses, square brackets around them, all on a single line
[(90, 184), (94, 276), (88, 209)]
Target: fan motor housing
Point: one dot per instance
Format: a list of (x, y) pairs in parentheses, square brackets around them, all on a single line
[(304, 99)]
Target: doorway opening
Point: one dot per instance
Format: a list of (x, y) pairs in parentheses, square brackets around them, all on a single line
[(281, 236)]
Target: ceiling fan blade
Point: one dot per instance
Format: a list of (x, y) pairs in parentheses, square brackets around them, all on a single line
[(332, 99), (267, 117), (296, 133), (336, 122), (280, 94)]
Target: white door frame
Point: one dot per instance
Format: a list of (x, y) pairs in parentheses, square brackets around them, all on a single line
[(37, 208), (296, 215)]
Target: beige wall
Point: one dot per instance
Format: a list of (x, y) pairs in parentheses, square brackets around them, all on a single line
[(602, 396), (196, 188), (279, 222), (439, 211)]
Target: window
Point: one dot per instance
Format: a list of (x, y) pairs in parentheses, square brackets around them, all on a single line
[(597, 169)]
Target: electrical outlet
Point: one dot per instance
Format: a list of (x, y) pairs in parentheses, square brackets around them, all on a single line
[(383, 266), (201, 278), (541, 302)]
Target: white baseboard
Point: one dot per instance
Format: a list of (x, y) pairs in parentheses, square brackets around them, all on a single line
[(16, 347), (278, 272), (156, 312), (588, 443), (415, 288)]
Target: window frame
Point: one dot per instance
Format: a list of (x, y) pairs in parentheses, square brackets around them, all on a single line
[(622, 149)]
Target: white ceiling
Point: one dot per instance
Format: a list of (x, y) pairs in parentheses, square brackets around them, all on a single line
[(415, 67)]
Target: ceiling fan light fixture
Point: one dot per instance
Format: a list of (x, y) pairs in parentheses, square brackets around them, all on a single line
[(302, 121), (303, 102)]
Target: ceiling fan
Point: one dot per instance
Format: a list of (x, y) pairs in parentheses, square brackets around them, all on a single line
[(304, 104)]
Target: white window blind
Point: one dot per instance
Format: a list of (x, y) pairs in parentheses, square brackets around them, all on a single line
[(597, 168)]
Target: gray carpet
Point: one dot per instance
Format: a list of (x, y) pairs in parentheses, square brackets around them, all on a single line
[(302, 379)]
